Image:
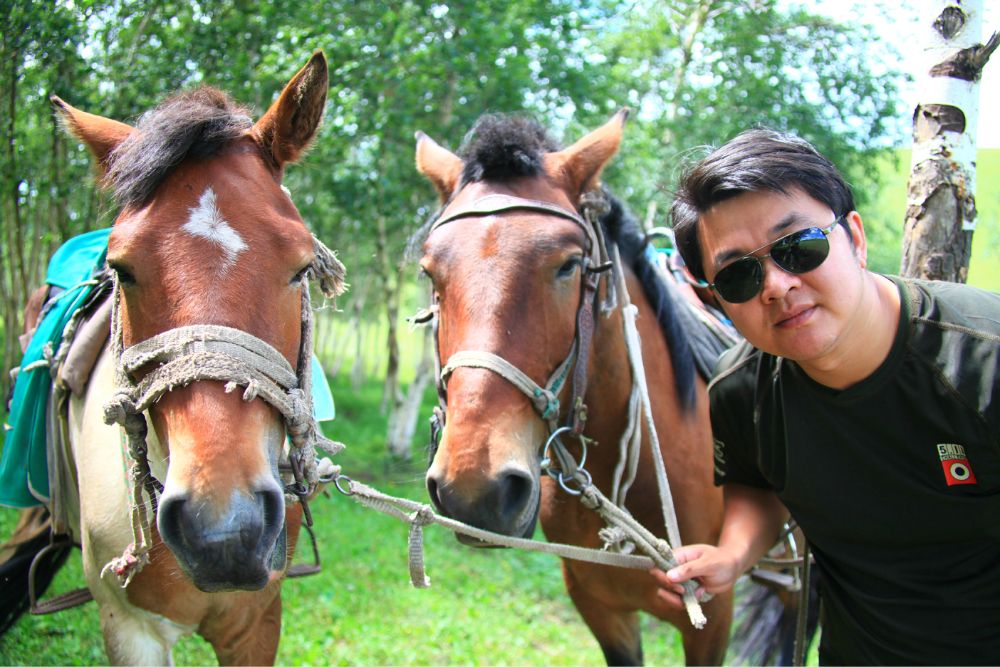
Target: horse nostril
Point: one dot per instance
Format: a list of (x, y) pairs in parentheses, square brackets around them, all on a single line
[(514, 493), (272, 504), (432, 491), (168, 520)]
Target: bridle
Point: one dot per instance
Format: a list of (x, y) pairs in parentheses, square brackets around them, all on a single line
[(544, 398), (195, 353)]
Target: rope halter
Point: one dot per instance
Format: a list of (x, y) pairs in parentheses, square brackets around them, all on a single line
[(211, 352)]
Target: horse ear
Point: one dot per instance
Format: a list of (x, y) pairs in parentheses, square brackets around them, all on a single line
[(439, 164), (288, 127), (579, 167), (100, 134)]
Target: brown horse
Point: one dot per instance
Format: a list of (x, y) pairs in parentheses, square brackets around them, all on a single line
[(208, 248), (510, 280)]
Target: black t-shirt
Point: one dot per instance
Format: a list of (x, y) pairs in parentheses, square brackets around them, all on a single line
[(895, 481)]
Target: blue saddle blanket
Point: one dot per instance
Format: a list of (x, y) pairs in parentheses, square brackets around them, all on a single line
[(23, 463)]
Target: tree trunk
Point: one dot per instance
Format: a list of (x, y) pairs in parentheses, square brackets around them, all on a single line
[(403, 420), (941, 201), (391, 286), (12, 254)]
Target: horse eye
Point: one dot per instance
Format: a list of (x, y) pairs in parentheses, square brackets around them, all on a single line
[(124, 276), (569, 267), (301, 275)]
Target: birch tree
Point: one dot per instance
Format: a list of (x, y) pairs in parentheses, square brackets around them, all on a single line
[(941, 196)]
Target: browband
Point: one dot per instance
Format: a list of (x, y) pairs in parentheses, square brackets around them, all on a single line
[(498, 203)]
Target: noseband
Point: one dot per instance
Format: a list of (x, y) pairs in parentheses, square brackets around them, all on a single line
[(545, 399), (209, 352)]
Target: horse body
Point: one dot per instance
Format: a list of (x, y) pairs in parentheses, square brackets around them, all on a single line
[(509, 284), (606, 597), (207, 237)]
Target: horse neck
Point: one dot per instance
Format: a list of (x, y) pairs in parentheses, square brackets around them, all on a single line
[(610, 378)]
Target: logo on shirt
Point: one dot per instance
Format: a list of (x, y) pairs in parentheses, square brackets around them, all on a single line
[(719, 448), (956, 465)]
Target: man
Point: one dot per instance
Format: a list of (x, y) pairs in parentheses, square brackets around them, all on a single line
[(867, 406)]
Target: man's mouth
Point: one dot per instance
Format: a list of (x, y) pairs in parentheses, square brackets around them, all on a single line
[(794, 317)]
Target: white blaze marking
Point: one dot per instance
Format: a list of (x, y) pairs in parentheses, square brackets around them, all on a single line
[(207, 222)]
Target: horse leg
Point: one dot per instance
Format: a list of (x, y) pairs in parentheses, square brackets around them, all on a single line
[(136, 637), (617, 631), (247, 634), (708, 645)]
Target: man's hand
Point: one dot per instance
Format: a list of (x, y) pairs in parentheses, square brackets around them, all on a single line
[(753, 518), (715, 570)]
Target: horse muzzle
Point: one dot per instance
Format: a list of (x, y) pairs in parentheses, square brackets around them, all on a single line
[(225, 550), (505, 503)]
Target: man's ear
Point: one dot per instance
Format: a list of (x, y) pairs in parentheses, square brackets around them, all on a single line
[(858, 240)]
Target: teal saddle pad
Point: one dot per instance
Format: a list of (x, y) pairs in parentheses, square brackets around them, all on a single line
[(24, 480)]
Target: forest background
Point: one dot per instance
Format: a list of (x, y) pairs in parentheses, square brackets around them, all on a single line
[(695, 72)]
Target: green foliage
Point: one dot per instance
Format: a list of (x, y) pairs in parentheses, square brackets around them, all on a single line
[(698, 72)]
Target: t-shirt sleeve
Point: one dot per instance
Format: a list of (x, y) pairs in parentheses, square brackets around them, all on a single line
[(731, 405)]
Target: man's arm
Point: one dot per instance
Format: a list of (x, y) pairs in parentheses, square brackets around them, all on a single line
[(752, 522)]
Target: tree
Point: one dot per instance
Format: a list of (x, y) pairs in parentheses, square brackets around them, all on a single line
[(697, 72), (941, 209)]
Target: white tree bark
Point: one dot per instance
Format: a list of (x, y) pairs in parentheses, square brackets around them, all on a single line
[(404, 416), (941, 202)]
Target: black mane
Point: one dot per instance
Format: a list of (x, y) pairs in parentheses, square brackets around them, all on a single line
[(195, 123), (675, 321)]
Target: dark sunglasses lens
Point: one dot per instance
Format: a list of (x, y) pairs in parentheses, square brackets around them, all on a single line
[(740, 281), (802, 251)]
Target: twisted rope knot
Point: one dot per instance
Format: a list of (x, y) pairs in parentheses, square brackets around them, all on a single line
[(299, 421), (423, 516), (119, 407), (128, 564), (546, 403), (616, 539)]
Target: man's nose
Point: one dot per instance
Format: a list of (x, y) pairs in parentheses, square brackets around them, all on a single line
[(777, 281)]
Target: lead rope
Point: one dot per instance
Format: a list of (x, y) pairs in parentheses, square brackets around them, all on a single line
[(207, 352), (421, 514)]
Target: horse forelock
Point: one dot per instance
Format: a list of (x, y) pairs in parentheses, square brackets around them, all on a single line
[(195, 123), (500, 147)]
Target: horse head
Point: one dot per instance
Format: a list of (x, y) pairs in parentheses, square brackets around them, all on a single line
[(510, 259), (208, 236)]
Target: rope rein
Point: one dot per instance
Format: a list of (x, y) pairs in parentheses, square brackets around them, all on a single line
[(211, 352)]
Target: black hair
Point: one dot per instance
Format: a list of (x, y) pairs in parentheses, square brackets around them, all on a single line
[(755, 160), (195, 123), (500, 147)]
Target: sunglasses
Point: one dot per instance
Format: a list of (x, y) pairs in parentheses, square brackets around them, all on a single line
[(798, 252)]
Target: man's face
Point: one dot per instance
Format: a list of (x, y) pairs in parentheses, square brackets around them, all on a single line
[(804, 317)]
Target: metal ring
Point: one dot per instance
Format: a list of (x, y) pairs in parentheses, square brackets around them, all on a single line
[(583, 484), (547, 460), (348, 491)]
